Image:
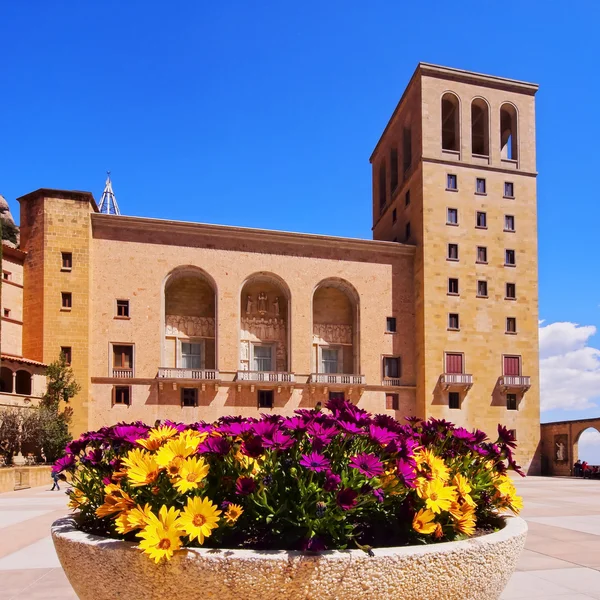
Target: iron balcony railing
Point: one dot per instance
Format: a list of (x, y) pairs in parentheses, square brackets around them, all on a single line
[(266, 376), (176, 373), (337, 379)]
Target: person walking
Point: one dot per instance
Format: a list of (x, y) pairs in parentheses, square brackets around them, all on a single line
[(55, 479), (577, 468)]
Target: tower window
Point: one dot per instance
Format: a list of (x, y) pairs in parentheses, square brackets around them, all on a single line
[(408, 231), (511, 291), (189, 397), (450, 123), (391, 402), (123, 309), (66, 300), (453, 286), (393, 169), (452, 216), (511, 401), (452, 251), (265, 398), (7, 275), (406, 149), (122, 395), (454, 400), (453, 321), (391, 367), (508, 132), (481, 220), (394, 216), (480, 185), (451, 182), (482, 289), (480, 134), (382, 188), (6, 312), (390, 324), (67, 261), (482, 255), (407, 198), (509, 258), (509, 223), (67, 353), (511, 325), (509, 189)]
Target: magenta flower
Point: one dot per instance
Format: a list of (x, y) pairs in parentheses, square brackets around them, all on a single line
[(381, 435), (368, 464), (244, 486), (278, 441), (332, 482), (64, 464), (252, 447), (314, 544), (505, 436), (214, 445), (350, 427), (346, 498), (378, 495), (315, 462), (406, 473)]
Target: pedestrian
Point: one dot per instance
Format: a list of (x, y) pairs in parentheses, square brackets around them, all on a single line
[(584, 469), (55, 479), (577, 468)]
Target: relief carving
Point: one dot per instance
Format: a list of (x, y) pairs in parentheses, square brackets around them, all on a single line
[(259, 329), (180, 326), (332, 333)]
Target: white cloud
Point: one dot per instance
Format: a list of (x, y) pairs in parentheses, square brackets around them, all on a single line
[(589, 446), (569, 368)]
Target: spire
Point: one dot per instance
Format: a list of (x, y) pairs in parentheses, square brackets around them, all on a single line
[(108, 203)]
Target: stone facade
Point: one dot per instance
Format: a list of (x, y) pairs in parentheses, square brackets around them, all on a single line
[(161, 307)]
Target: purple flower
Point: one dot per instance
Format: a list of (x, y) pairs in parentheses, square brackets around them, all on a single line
[(350, 427), (64, 464), (295, 423), (264, 429), (315, 462), (314, 544), (179, 426), (332, 482), (505, 436), (479, 436), (378, 495), (76, 446), (368, 464), (252, 447), (406, 473), (129, 433), (225, 504), (106, 481), (460, 433), (93, 457), (278, 441), (214, 445), (346, 498), (380, 435), (244, 486), (234, 428)]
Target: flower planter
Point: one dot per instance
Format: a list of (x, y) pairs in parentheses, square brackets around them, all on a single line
[(106, 569)]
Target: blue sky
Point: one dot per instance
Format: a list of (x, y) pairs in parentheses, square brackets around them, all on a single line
[(265, 114)]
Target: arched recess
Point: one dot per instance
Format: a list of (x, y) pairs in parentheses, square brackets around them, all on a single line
[(588, 448), (509, 132), (480, 127), (336, 342), (265, 344), (382, 186), (190, 317), (23, 383), (6, 380), (450, 122)]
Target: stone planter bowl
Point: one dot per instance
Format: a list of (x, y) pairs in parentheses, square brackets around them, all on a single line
[(475, 569)]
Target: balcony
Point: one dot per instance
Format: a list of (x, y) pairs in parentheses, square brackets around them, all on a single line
[(202, 376), (456, 380), (515, 382), (391, 382), (275, 378), (120, 373)]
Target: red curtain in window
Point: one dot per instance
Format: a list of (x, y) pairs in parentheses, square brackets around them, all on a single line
[(512, 366), (454, 363)]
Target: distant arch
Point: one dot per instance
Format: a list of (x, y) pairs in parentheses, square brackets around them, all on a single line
[(6, 380), (577, 454), (480, 127), (509, 132), (382, 186), (450, 122), (23, 383)]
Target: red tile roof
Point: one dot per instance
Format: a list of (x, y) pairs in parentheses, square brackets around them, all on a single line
[(20, 359)]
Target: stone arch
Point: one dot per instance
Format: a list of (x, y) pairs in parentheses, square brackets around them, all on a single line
[(509, 131), (480, 126), (576, 450), (23, 382), (6, 380), (450, 130)]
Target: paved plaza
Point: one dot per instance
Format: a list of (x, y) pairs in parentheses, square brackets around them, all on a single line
[(561, 560)]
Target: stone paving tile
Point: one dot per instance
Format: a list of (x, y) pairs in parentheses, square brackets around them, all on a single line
[(13, 582)]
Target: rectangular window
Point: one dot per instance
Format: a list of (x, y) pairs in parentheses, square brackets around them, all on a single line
[(391, 367), (452, 217), (480, 185), (509, 223), (392, 402), (482, 289), (393, 169), (265, 398), (511, 325), (481, 220), (7, 312), (407, 231), (452, 251), (66, 300), (511, 401), (453, 286), (482, 254), (512, 366), (394, 216), (191, 355), (330, 359), (511, 291), (454, 400), (189, 396), (407, 198), (67, 261), (406, 149), (6, 275), (390, 324), (66, 352), (122, 356), (453, 321), (123, 308), (509, 189), (509, 258), (451, 182), (454, 362), (513, 432), (122, 394)]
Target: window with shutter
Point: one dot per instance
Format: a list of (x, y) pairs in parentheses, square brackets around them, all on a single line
[(512, 366), (454, 363)]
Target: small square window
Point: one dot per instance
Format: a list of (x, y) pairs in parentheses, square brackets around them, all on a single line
[(407, 231), (391, 367), (482, 289), (509, 258), (189, 396), (451, 182), (513, 433), (509, 223), (394, 216), (453, 286), (511, 325), (122, 360), (407, 198), (66, 352), (482, 254), (336, 396), (390, 324), (453, 321), (454, 400), (7, 312), (67, 261), (511, 401), (392, 402), (509, 189), (481, 220), (452, 217), (480, 185), (452, 251), (511, 291), (122, 394), (265, 398), (6, 275), (123, 309), (66, 300)]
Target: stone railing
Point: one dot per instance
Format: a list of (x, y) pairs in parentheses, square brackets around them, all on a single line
[(456, 379), (266, 376), (519, 381), (337, 379), (176, 373), (391, 381), (122, 373)]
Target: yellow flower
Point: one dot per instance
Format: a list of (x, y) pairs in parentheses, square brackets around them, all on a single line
[(199, 518), (247, 462), (422, 522), (157, 437), (173, 450), (436, 465), (464, 489), (464, 518), (116, 500), (193, 471), (233, 513), (193, 438), (438, 534), (122, 523), (437, 496), (161, 536), (141, 467), (77, 498), (139, 517)]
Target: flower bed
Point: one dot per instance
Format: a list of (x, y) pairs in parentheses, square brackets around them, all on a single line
[(319, 480)]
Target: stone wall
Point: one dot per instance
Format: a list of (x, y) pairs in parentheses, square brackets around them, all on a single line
[(18, 478)]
